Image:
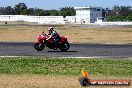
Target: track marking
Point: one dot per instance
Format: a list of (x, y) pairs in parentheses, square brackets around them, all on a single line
[(13, 56), (65, 57), (91, 57)]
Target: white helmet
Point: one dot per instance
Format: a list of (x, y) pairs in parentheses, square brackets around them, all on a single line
[(50, 29)]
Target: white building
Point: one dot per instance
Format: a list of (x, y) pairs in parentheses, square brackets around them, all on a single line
[(86, 15)]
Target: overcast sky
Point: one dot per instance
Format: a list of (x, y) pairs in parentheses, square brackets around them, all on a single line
[(56, 4)]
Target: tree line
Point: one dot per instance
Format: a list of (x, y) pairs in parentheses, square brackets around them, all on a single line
[(117, 13), (22, 9)]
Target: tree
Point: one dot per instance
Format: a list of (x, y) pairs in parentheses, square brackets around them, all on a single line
[(19, 8), (9, 10), (54, 12), (103, 13), (2, 10), (29, 11), (128, 18), (122, 13), (67, 11)]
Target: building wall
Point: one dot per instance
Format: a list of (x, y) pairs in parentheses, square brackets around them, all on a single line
[(113, 23), (11, 18), (70, 20), (87, 15), (38, 19), (82, 16), (94, 14)]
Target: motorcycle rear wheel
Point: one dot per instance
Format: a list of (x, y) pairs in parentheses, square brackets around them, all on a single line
[(39, 47)]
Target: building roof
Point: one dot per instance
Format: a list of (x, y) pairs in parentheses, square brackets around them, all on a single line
[(78, 8)]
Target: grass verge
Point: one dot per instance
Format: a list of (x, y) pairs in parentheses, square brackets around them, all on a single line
[(46, 72), (66, 66)]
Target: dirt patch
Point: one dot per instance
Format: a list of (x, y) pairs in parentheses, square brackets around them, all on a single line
[(38, 81)]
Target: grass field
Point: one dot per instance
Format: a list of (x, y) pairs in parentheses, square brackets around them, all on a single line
[(42, 72), (23, 32), (54, 66)]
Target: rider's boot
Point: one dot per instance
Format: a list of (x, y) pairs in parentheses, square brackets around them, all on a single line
[(56, 46)]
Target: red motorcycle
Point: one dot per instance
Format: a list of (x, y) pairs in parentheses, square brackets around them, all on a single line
[(63, 44)]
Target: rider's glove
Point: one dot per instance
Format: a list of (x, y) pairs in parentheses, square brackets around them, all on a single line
[(47, 39)]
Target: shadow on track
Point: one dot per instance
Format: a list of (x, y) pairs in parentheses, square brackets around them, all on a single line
[(61, 51)]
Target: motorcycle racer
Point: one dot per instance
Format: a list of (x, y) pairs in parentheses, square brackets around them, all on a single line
[(54, 34)]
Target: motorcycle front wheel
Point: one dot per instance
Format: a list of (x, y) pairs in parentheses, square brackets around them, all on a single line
[(39, 46), (64, 46)]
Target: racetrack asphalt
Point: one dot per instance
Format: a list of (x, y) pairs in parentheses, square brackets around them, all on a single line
[(76, 50)]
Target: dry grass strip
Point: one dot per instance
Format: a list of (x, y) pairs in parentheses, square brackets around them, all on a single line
[(39, 81), (74, 34)]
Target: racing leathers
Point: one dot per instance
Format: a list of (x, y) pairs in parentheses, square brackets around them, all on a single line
[(56, 37)]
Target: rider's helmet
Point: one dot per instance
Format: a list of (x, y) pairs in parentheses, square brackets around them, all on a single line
[(50, 29)]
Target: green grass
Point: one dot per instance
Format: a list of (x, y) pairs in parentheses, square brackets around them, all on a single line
[(66, 66)]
